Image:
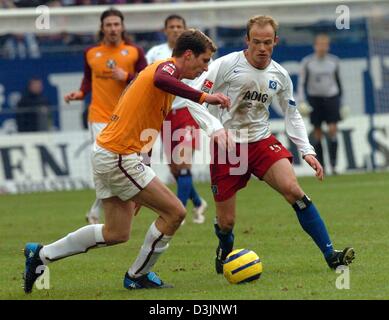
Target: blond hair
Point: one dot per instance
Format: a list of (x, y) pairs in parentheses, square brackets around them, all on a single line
[(261, 21)]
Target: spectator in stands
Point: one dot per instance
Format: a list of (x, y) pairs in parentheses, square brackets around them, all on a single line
[(7, 4), (33, 108), (30, 3), (85, 2), (54, 3), (66, 3), (319, 80), (111, 1)]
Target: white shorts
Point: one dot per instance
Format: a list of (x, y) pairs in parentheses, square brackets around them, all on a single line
[(119, 175), (95, 128)]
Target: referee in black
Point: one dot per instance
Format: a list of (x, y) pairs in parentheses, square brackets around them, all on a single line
[(319, 82)]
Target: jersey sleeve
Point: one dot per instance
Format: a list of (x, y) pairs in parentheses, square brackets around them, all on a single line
[(140, 64), (337, 78), (166, 78), (150, 56), (302, 81), (204, 119), (86, 84), (206, 83), (294, 124)]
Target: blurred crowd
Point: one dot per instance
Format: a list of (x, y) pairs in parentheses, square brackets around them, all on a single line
[(35, 46), (62, 3)]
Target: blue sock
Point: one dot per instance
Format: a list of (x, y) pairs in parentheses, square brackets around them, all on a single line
[(184, 186), (226, 241), (312, 224), (195, 196)]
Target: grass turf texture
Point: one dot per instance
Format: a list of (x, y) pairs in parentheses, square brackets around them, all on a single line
[(354, 207)]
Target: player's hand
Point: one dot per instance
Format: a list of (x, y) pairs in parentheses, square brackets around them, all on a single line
[(119, 74), (224, 139), (315, 164), (218, 98), (75, 95), (304, 108)]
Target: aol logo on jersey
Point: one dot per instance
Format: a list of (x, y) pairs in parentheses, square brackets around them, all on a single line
[(256, 96)]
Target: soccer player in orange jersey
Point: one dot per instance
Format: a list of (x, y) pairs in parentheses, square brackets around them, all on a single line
[(180, 134), (109, 67), (120, 176)]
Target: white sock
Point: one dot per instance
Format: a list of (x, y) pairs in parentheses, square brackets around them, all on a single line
[(79, 241), (155, 243), (96, 208)]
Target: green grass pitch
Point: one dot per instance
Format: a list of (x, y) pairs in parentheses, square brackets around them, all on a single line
[(354, 207)]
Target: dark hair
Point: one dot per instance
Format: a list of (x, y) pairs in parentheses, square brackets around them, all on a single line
[(194, 40), (34, 78), (109, 13), (174, 17)]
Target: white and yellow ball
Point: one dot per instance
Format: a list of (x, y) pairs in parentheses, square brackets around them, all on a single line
[(242, 265)]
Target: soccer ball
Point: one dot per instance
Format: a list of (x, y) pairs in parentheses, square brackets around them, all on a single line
[(242, 265)]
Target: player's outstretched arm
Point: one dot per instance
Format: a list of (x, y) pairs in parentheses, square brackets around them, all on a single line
[(75, 95), (315, 164), (218, 99)]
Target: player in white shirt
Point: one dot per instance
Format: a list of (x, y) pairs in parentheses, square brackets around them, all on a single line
[(252, 80), (179, 122)]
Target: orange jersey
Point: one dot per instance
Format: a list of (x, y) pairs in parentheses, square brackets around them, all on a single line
[(138, 117), (99, 62)]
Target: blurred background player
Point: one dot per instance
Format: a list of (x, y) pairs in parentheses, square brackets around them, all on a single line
[(319, 82), (179, 122), (252, 79), (33, 108), (108, 68), (119, 174)]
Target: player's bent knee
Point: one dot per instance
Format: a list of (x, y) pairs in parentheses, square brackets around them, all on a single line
[(116, 237), (293, 192), (177, 216), (226, 223), (180, 214), (123, 237), (228, 226), (174, 213)]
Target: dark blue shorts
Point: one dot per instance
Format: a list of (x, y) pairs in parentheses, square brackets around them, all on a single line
[(324, 109)]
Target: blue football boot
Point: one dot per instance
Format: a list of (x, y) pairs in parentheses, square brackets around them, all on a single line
[(147, 281), (341, 258), (33, 262)]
